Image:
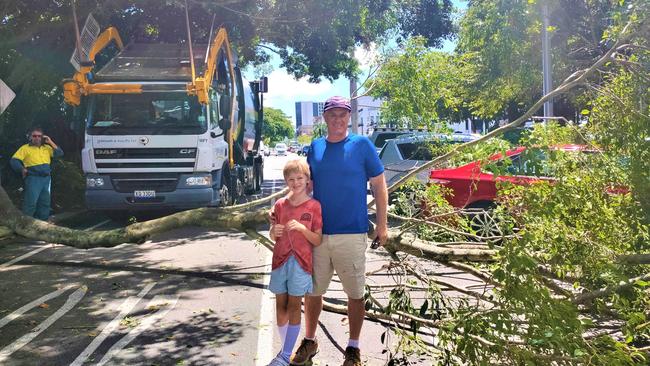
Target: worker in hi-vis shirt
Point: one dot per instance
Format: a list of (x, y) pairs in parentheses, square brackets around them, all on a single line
[(33, 161)]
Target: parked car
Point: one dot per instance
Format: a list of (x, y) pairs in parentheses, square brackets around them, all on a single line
[(303, 150), (280, 149), (265, 150), (380, 135), (294, 147), (475, 186), (405, 153)]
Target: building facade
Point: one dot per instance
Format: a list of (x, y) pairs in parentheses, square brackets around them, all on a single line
[(308, 114)]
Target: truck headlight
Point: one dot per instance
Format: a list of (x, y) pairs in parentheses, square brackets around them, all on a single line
[(198, 181), (94, 182)]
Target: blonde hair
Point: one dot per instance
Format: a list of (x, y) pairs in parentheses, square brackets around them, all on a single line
[(296, 166)]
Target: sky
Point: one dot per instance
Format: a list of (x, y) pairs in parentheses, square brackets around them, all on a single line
[(285, 90)]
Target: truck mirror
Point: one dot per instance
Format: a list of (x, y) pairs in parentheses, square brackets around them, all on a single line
[(224, 106), (224, 124)]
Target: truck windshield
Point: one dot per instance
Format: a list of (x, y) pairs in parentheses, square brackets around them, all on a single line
[(167, 113)]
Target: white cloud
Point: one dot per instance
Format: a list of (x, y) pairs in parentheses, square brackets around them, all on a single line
[(366, 57), (283, 87)]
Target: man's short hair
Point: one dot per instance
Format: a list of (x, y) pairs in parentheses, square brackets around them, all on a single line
[(36, 129), (296, 166)]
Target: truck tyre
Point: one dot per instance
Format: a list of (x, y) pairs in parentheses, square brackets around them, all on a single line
[(225, 194)]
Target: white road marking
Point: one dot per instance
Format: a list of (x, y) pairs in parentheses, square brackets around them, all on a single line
[(125, 309), (98, 225), (73, 299), (23, 309), (170, 302), (266, 325), (26, 255)]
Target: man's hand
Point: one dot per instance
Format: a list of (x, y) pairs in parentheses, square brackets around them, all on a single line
[(381, 232), (24, 172), (295, 225)]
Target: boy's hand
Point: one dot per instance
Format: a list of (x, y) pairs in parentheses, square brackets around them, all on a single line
[(295, 225), (277, 230)]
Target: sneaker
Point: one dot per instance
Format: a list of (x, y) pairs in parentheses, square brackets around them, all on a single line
[(352, 357), (307, 350), (278, 361)]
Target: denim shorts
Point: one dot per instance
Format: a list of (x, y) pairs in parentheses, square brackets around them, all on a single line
[(290, 278)]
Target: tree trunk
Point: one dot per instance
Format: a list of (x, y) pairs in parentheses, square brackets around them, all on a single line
[(31, 228)]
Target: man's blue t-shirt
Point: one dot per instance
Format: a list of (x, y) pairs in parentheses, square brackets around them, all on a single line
[(340, 172)]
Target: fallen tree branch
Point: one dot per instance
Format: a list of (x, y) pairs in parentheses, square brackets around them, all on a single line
[(419, 248), (605, 291)]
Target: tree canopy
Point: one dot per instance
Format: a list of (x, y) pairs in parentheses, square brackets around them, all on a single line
[(277, 126)]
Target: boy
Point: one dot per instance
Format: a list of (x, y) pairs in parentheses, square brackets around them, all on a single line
[(297, 227)]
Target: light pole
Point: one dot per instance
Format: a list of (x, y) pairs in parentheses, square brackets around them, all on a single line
[(546, 60)]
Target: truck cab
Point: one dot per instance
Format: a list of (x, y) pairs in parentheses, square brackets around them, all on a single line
[(166, 145)]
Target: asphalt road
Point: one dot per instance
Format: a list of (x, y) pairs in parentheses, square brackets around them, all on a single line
[(186, 297)]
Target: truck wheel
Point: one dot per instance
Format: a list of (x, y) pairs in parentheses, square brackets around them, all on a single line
[(225, 195)]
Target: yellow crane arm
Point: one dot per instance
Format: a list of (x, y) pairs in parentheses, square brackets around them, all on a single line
[(74, 88), (200, 86)]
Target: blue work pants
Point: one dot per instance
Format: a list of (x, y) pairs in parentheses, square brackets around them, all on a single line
[(36, 201)]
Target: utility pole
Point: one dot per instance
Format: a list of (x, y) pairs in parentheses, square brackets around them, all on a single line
[(354, 115), (546, 60)]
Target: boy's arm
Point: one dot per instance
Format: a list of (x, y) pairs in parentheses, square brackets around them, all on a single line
[(314, 237)]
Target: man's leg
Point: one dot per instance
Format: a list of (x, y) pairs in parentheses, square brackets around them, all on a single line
[(43, 204), (30, 196), (356, 314), (313, 308)]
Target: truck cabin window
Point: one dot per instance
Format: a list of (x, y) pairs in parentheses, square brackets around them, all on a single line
[(147, 113)]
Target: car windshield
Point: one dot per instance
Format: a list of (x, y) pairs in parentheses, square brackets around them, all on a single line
[(148, 113), (530, 162)]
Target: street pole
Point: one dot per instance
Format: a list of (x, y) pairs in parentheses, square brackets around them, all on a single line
[(354, 115), (546, 60)]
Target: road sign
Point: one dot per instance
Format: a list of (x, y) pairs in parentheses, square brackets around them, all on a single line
[(89, 34), (6, 96)]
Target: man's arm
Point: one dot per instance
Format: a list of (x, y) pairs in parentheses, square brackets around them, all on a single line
[(16, 162), (56, 150), (378, 185)]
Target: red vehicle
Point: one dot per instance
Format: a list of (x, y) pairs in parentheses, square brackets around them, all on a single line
[(475, 187)]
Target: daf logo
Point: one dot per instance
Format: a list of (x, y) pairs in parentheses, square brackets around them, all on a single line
[(186, 151), (143, 140)]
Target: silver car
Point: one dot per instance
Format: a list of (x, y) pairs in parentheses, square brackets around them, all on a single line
[(280, 149), (405, 153)]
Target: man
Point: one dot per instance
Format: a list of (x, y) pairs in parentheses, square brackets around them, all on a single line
[(341, 166), (33, 161)]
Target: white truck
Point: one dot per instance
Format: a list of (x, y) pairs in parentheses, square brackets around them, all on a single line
[(157, 136)]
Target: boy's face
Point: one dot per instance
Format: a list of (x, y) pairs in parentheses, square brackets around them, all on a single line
[(297, 182)]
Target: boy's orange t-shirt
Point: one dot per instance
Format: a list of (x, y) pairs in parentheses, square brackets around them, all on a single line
[(294, 243)]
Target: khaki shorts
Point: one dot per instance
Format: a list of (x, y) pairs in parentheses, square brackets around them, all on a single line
[(345, 254)]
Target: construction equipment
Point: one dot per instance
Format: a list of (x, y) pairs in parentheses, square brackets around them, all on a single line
[(168, 127)]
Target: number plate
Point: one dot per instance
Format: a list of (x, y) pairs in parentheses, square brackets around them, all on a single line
[(144, 194)]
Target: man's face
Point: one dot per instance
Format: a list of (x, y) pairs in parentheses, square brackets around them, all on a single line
[(36, 138), (337, 121)]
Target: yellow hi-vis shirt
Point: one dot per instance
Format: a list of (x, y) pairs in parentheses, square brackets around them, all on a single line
[(34, 155)]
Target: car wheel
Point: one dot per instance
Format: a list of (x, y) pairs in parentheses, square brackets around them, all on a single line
[(484, 221)]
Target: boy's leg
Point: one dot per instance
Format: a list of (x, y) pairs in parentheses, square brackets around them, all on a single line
[(293, 330), (281, 315)]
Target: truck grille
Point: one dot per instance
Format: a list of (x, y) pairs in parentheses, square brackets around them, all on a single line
[(145, 165), (159, 182), (149, 153)]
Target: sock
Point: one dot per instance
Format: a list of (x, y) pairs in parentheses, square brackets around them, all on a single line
[(310, 339), (293, 331), (353, 343), (282, 330)]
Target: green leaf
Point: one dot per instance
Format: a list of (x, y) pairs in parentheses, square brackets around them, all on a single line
[(584, 112)]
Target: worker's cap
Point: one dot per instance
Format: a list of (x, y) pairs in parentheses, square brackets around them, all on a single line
[(337, 102)]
